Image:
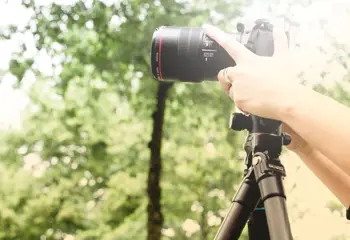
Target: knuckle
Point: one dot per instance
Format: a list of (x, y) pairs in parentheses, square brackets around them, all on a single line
[(220, 74)]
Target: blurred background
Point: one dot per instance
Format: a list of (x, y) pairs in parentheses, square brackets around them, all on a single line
[(89, 140)]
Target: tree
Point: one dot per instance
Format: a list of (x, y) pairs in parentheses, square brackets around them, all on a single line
[(94, 115)]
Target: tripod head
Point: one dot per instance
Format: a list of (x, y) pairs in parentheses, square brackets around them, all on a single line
[(260, 199), (264, 135)]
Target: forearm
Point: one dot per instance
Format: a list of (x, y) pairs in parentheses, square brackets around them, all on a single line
[(336, 180), (322, 122)]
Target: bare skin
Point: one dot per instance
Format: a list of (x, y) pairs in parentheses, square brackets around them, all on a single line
[(319, 126)]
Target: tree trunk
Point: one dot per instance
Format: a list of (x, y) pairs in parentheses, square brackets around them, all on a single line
[(155, 217), (203, 223)]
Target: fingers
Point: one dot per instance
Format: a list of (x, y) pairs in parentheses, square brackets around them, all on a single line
[(233, 74), (280, 41), (226, 79), (230, 75), (232, 94), (236, 50), (223, 83)]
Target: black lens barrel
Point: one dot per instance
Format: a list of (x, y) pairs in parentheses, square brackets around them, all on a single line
[(186, 54)]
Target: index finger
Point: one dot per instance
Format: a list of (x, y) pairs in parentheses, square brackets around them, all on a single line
[(236, 50)]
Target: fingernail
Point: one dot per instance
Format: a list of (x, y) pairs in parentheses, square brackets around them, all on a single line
[(215, 33)]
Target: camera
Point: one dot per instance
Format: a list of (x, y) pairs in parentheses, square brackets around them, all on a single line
[(187, 54)]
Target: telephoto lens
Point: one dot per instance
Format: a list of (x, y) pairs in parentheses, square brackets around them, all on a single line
[(186, 54)]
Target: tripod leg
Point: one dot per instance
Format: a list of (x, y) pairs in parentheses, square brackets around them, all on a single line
[(257, 224), (242, 205), (278, 219), (268, 175)]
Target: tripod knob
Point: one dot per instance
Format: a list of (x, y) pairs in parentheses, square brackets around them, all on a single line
[(240, 122), (286, 139)]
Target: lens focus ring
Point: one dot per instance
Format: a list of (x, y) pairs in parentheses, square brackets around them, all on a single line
[(188, 42)]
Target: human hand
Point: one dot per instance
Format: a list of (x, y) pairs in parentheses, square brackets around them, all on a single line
[(259, 85)]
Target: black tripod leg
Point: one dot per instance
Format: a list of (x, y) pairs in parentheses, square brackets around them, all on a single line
[(269, 178), (242, 205), (257, 224), (278, 218)]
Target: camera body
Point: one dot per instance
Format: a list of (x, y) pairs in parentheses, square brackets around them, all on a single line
[(187, 54)]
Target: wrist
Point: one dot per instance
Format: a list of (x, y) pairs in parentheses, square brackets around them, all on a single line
[(292, 100)]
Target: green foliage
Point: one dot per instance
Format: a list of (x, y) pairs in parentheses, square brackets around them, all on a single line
[(339, 91), (88, 126)]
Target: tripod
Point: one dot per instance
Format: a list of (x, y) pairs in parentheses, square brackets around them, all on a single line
[(261, 196)]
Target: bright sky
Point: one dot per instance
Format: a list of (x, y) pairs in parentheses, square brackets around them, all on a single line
[(11, 101)]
